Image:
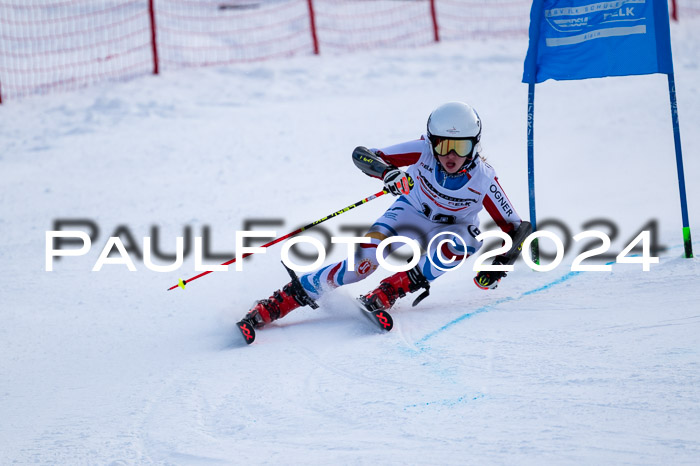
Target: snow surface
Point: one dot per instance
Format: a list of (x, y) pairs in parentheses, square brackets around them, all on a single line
[(552, 367)]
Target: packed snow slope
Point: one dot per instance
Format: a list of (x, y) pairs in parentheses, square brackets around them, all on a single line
[(552, 367)]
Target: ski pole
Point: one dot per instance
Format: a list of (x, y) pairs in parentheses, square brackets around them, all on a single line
[(182, 283)]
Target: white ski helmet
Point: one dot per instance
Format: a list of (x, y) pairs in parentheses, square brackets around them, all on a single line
[(454, 121)]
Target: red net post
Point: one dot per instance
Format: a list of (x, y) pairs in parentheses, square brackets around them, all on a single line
[(433, 14), (312, 21), (674, 10), (154, 43)]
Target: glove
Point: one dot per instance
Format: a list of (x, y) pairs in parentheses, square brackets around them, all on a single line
[(489, 279), (397, 182)]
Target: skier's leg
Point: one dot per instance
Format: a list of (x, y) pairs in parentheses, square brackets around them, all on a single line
[(394, 287), (448, 250), (314, 284), (281, 303), (399, 219), (343, 273), (439, 258)]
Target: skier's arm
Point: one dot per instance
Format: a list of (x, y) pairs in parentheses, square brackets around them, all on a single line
[(370, 162), (500, 208), (404, 154), (503, 213), (377, 162), (489, 279), (396, 181)]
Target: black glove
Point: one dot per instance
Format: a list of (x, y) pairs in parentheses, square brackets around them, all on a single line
[(397, 182), (488, 279)]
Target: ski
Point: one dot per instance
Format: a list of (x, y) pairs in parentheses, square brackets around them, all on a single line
[(380, 318), (247, 331)]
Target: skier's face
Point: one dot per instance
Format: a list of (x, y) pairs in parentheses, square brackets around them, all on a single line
[(451, 162)]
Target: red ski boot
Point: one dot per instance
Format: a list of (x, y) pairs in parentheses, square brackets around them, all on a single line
[(281, 303), (397, 286), (275, 307)]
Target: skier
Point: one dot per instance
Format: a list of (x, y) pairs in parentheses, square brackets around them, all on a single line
[(446, 185)]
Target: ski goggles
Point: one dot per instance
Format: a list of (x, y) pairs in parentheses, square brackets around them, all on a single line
[(462, 147)]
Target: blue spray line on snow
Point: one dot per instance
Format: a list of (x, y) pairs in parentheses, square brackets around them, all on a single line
[(451, 403), (420, 343), (447, 402), (490, 306)]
